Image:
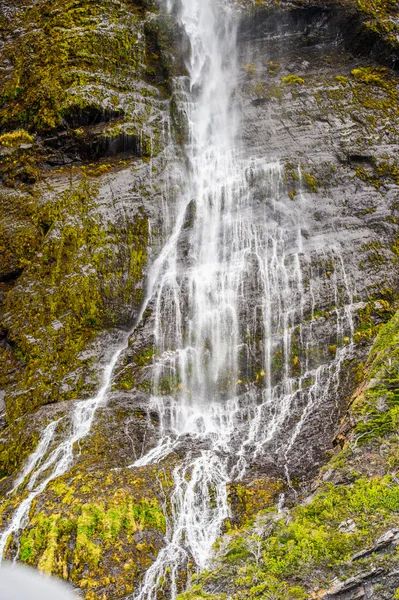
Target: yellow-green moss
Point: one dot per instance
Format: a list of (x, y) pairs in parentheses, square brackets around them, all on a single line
[(311, 182), (16, 138), (247, 500), (371, 319), (83, 280), (20, 231), (341, 79), (292, 80), (100, 530), (60, 51)]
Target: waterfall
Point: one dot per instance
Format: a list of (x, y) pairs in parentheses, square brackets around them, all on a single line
[(233, 375), (196, 306)]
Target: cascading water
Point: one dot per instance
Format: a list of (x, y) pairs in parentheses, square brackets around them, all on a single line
[(206, 328), (228, 297)]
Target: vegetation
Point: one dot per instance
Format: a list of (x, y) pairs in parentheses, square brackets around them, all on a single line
[(98, 530), (82, 281), (292, 80), (312, 543), (16, 138), (60, 52)]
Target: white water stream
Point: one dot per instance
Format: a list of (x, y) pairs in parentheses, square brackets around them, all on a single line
[(227, 291)]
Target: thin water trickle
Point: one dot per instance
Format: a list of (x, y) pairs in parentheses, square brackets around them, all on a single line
[(43, 467)]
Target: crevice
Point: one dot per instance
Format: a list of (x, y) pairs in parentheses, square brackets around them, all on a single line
[(11, 277)]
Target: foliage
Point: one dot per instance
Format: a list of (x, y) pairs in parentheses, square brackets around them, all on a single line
[(311, 543), (377, 408)]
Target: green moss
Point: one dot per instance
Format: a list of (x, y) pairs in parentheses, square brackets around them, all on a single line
[(268, 92), (377, 408), (20, 231), (250, 69), (292, 80), (169, 384), (371, 319), (247, 500), (16, 138), (64, 48), (371, 76), (99, 530), (273, 68), (370, 98), (197, 593), (341, 79), (311, 182), (378, 15), (81, 282)]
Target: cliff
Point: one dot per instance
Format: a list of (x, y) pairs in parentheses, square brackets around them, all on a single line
[(91, 160)]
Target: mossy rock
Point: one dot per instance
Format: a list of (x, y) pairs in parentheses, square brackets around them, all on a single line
[(100, 530), (87, 277), (248, 499)]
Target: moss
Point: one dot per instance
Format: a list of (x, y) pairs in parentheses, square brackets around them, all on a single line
[(378, 19), (377, 408), (341, 79), (292, 80), (371, 76), (92, 524), (20, 232), (168, 385), (63, 48), (82, 280), (16, 445), (371, 319), (197, 593), (311, 182), (268, 92), (16, 138), (75, 67), (99, 530), (370, 99), (273, 68), (246, 500), (250, 69)]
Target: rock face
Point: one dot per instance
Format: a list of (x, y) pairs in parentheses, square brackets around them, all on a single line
[(91, 160)]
